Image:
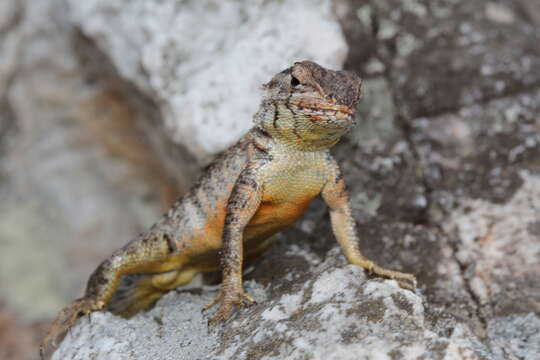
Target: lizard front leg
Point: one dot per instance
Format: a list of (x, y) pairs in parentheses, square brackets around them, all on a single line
[(335, 195), (242, 205)]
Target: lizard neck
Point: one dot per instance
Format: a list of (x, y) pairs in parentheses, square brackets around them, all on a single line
[(299, 132)]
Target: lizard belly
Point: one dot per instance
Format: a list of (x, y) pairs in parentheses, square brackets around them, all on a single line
[(273, 216), (270, 218)]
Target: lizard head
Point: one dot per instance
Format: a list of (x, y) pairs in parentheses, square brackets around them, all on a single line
[(308, 106)]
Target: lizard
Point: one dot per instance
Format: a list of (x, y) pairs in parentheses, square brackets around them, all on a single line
[(256, 188)]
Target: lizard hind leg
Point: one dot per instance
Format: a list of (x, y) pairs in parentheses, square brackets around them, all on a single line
[(140, 291), (135, 293)]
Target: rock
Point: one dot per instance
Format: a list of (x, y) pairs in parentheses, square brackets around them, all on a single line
[(161, 333), (67, 199), (471, 151), (500, 248), (518, 335), (10, 17), (376, 127), (202, 61), (477, 50), (480, 150), (335, 314)]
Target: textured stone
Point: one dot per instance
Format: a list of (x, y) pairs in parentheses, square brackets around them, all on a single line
[(518, 335), (10, 44), (203, 61), (500, 248), (446, 54), (333, 314), (158, 334), (66, 201)]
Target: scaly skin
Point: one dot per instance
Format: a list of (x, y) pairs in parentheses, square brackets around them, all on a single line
[(253, 190)]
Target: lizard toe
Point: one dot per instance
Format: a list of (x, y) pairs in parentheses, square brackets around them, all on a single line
[(227, 304), (406, 281)]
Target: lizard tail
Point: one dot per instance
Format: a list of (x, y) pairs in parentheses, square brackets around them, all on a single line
[(64, 321), (134, 294)]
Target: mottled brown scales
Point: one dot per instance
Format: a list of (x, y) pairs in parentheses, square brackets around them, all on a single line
[(253, 190)]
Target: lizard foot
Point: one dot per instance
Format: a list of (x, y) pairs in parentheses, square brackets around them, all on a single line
[(227, 302), (64, 321), (405, 280)]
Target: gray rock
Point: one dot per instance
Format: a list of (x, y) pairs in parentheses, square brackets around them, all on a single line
[(500, 249), (202, 61), (376, 126), (515, 336), (66, 202), (10, 44), (445, 55), (334, 314), (174, 329)]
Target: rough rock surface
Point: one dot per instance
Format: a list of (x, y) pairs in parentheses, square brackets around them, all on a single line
[(326, 310), (202, 60), (68, 194), (64, 198)]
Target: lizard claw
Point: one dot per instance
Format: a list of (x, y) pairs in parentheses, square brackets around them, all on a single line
[(227, 303), (63, 323), (405, 280), (408, 282)]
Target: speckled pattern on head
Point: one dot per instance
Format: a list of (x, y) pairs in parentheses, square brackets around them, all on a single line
[(256, 188), (344, 87)]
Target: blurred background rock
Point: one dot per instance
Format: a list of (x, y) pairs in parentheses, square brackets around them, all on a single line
[(109, 109)]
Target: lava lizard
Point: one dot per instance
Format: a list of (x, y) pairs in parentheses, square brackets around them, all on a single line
[(257, 187)]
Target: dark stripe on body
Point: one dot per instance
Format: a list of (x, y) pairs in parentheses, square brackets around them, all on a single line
[(171, 245), (262, 132)]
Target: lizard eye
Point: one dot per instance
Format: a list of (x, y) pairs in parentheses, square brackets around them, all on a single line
[(294, 81)]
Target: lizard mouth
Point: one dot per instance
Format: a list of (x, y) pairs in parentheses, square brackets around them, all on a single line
[(323, 113), (317, 105)]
